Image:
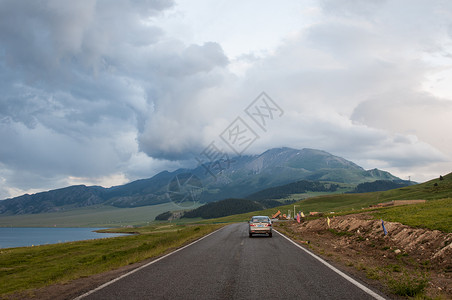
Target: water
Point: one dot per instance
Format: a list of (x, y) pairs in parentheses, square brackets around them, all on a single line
[(20, 237)]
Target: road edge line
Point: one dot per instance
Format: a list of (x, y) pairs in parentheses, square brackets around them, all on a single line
[(142, 267), (339, 272)]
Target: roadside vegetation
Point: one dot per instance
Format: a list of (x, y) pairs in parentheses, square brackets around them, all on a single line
[(399, 279), (33, 267), (401, 263)]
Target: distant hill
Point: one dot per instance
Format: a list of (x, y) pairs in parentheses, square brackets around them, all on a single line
[(55, 200), (228, 207), (298, 187), (239, 177), (164, 216), (381, 185)]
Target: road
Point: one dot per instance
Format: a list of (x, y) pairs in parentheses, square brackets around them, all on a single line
[(230, 265)]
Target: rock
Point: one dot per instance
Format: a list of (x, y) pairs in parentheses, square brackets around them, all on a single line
[(397, 251)]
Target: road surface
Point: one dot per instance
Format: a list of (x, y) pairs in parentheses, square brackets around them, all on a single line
[(230, 265)]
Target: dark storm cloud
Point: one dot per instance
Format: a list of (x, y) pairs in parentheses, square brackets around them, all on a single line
[(77, 76)]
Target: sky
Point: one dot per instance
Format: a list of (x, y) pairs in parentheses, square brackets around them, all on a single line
[(98, 92)]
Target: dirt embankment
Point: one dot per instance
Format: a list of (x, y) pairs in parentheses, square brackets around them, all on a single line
[(405, 261)]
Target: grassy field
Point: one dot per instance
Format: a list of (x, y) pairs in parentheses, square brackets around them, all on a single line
[(32, 267), (97, 216), (435, 214)]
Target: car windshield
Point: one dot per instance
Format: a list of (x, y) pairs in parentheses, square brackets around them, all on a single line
[(259, 220)]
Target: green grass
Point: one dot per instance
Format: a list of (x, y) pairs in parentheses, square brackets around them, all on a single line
[(32, 267), (408, 283), (434, 214), (400, 280), (93, 216), (340, 233)]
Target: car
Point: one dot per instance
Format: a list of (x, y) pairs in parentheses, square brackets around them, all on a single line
[(260, 224)]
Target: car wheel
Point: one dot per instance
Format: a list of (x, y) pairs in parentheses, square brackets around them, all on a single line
[(251, 235), (270, 234)]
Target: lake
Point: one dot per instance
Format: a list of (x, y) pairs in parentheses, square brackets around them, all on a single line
[(20, 237)]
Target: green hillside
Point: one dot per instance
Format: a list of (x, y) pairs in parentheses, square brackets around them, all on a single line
[(228, 207), (431, 190), (434, 214)]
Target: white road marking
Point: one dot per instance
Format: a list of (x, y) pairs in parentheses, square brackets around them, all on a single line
[(345, 276), (142, 267)]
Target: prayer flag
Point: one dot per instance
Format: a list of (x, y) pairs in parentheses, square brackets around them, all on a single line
[(383, 225)]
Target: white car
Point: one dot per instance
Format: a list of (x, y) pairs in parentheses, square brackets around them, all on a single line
[(260, 224)]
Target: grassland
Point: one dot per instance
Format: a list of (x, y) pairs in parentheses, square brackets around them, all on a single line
[(32, 267), (97, 216), (434, 214)]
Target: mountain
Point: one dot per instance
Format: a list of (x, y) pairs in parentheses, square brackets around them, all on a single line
[(250, 174), (55, 200), (234, 177)]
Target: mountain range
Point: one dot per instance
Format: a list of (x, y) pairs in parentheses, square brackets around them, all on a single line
[(220, 179)]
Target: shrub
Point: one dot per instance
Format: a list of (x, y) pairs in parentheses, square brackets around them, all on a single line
[(408, 284)]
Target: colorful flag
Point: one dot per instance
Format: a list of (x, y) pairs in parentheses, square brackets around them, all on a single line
[(302, 214), (298, 218), (383, 225), (328, 221)]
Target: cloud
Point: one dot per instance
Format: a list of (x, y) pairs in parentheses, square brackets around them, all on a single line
[(413, 114), (75, 92), (347, 87), (94, 92), (87, 85), (172, 131)]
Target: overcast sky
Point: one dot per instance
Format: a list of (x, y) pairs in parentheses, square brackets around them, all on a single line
[(105, 92)]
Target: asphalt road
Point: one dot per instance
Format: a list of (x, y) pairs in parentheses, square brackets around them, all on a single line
[(230, 265)]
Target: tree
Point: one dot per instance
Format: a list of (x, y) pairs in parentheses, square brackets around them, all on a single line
[(164, 216)]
